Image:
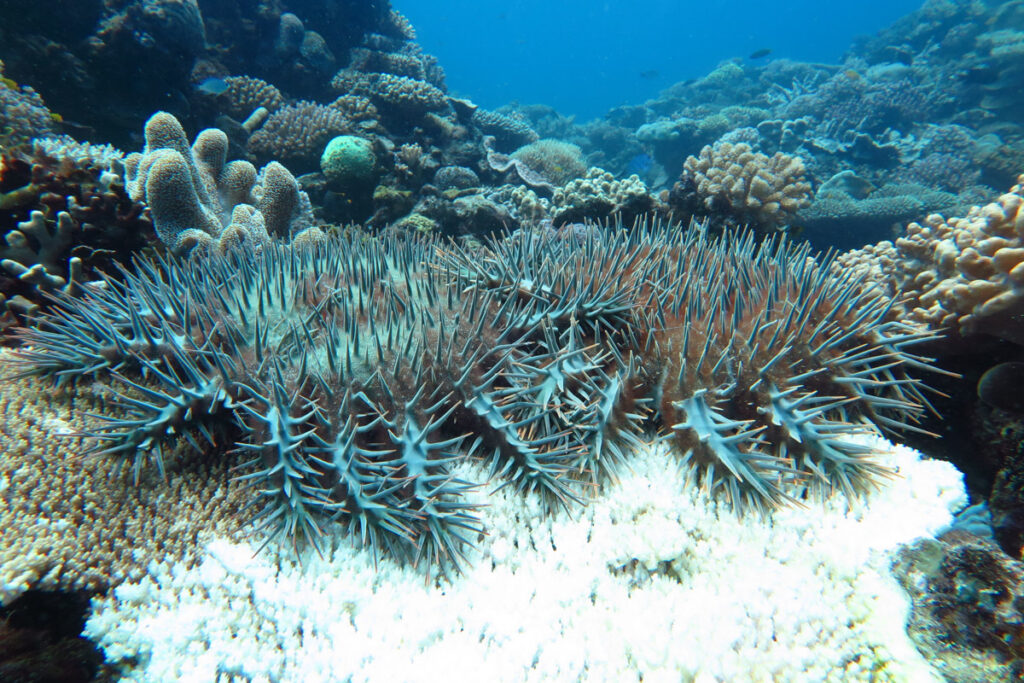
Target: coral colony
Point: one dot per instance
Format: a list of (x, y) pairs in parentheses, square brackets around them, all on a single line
[(346, 376)]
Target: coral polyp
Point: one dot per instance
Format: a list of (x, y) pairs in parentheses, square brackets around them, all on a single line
[(350, 375)]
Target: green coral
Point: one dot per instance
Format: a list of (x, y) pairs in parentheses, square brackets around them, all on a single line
[(347, 161)]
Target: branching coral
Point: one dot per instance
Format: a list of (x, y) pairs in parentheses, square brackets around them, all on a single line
[(353, 373), (72, 523), (599, 196), (746, 187), (964, 274), (297, 133), (198, 199), (246, 94)]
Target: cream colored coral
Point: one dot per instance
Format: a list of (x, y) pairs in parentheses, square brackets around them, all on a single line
[(763, 190), (71, 522), (964, 274), (600, 185), (245, 94)]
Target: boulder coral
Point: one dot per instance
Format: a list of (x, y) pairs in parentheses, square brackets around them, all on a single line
[(349, 162)]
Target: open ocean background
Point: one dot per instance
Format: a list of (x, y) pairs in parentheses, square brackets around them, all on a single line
[(584, 57)]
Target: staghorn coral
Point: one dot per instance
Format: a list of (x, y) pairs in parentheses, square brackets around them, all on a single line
[(72, 523), (199, 200), (745, 187), (297, 133), (964, 274), (352, 372)]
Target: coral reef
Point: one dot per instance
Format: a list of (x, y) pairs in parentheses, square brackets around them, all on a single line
[(963, 274), (733, 185), (967, 601), (200, 200), (350, 371)]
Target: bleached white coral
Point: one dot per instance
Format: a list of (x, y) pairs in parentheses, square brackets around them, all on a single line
[(648, 580)]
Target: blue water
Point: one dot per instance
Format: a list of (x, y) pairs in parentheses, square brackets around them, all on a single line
[(584, 57)]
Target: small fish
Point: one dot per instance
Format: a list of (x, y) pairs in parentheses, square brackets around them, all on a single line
[(982, 74), (640, 164), (1000, 387), (212, 86), (852, 75), (650, 74), (8, 82), (758, 54)]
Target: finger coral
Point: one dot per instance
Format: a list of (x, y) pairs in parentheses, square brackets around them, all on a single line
[(963, 274), (747, 187), (200, 200), (353, 374)]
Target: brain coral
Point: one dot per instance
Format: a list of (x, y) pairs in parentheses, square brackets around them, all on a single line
[(746, 186), (353, 374)]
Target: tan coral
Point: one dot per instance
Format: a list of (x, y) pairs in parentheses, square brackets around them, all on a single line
[(72, 522), (408, 94), (598, 195), (965, 274), (758, 189), (245, 94)]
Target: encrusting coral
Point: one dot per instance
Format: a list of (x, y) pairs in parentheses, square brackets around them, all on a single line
[(200, 200), (352, 373)]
